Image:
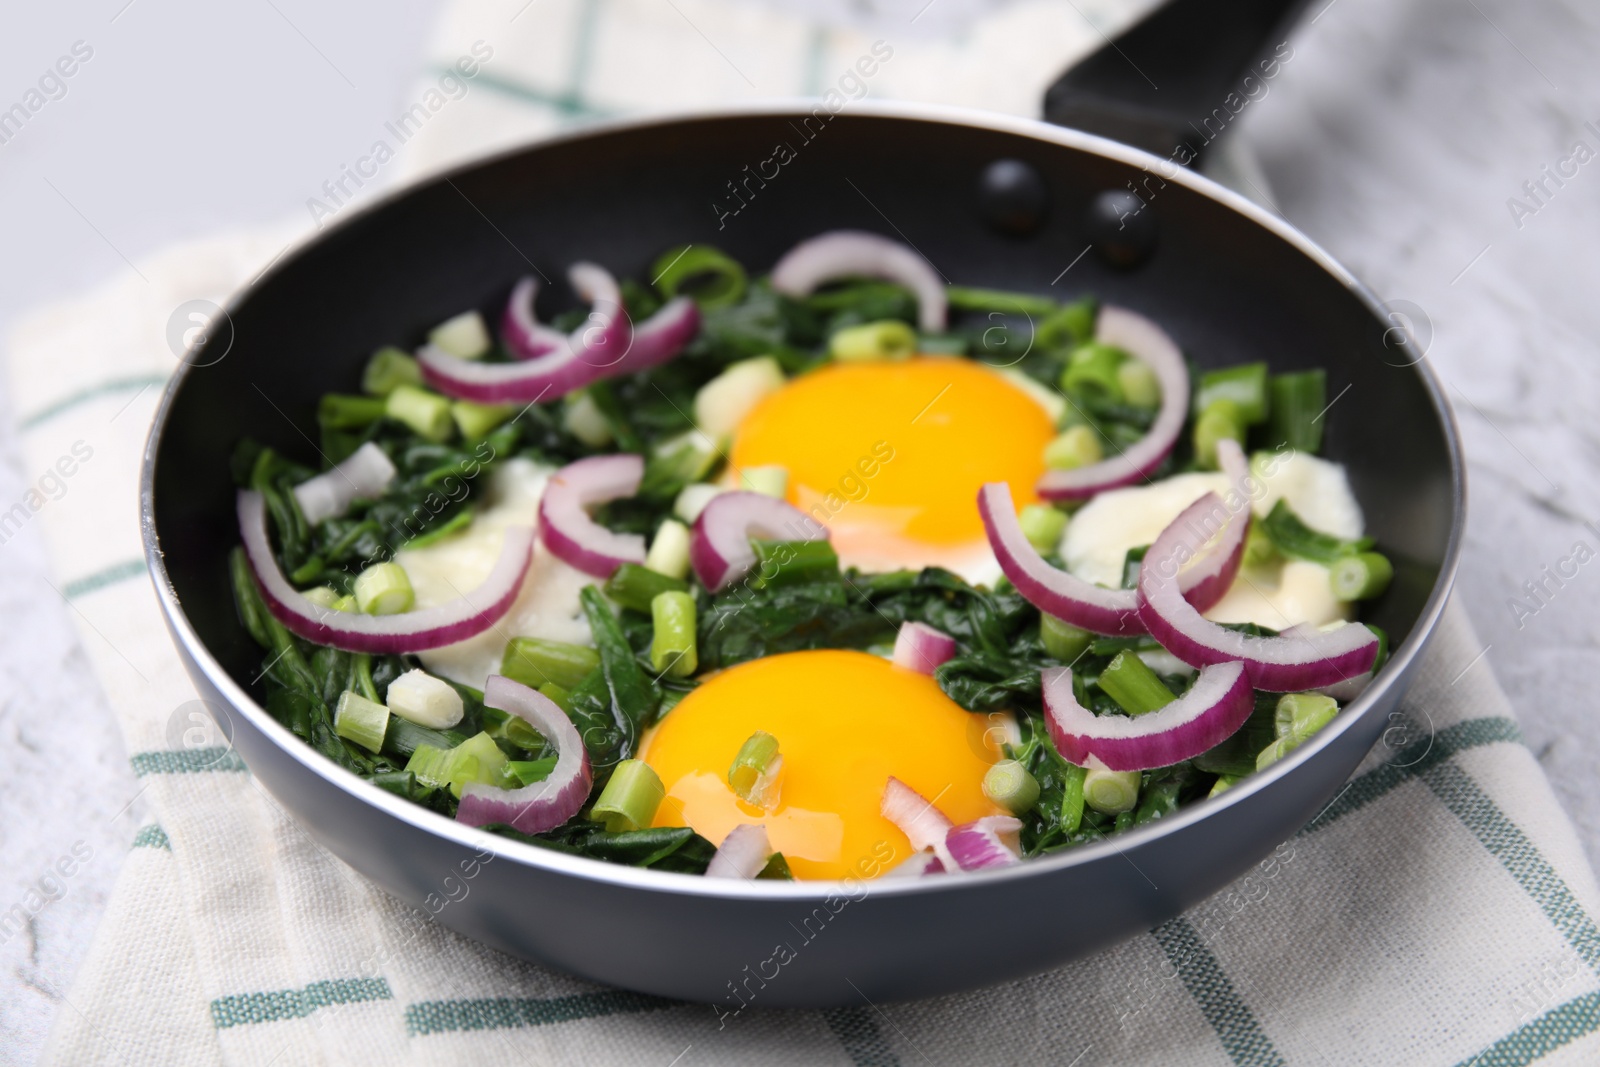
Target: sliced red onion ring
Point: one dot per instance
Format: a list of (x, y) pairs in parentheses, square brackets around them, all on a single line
[(544, 805), (924, 825), (742, 854), (987, 843), (1208, 579), (719, 545), (919, 647), (857, 253), (1216, 705), (920, 864), (564, 523), (661, 336), (583, 356), (1283, 664), (525, 336), (411, 631), (362, 475), (1147, 342)]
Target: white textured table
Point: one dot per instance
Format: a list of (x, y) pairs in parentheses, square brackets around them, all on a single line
[(1396, 137)]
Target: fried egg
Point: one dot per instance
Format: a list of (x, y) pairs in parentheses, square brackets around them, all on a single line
[(889, 456), (845, 722)]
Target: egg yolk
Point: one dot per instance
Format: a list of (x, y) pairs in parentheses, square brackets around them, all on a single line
[(890, 455), (845, 721)]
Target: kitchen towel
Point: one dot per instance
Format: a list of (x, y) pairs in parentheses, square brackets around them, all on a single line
[(1439, 911)]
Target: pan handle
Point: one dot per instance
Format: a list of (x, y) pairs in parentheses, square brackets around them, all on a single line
[(1176, 80)]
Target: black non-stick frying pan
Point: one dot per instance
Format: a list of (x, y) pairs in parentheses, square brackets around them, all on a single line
[(1228, 280)]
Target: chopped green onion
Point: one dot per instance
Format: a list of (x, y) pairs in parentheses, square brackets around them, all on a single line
[(771, 480), (712, 278), (425, 412), (403, 738), (338, 412), (1245, 385), (383, 589), (536, 661), (361, 720), (1078, 446), (780, 563), (1140, 386), (755, 768), (323, 596), (1298, 403), (630, 798), (1043, 526), (669, 550), (1072, 779), (527, 772), (1068, 327), (968, 298), (390, 367), (1093, 368), (1360, 577), (721, 404), (1299, 541), (1054, 404), (1220, 419), (692, 500), (1299, 715), (889, 339), (1061, 639), (1258, 547), (464, 336), (1223, 783), (346, 603), (419, 697), (634, 586), (431, 765), (477, 421), (777, 869), (672, 646), (477, 759), (1009, 785), (1137, 690), (687, 457), (454, 524), (1110, 792), (583, 419), (560, 696), (513, 729)]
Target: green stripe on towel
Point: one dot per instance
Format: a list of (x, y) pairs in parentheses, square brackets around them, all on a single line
[(858, 1032), (497, 1013), (284, 1004), (1541, 1036), (186, 761), (115, 574), (152, 836), (109, 387), (1241, 1035)]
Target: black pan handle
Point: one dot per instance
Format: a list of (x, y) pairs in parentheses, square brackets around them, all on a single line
[(1178, 79)]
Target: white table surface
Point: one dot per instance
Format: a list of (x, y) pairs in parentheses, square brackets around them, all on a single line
[(1395, 137)]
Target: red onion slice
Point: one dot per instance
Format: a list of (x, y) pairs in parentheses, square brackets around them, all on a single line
[(545, 805), (661, 336), (742, 854), (1216, 705), (919, 647), (856, 253), (1288, 663), (362, 475), (924, 825), (525, 336), (564, 523), (719, 544), (985, 844), (1207, 580), (1147, 342), (582, 356), (411, 631)]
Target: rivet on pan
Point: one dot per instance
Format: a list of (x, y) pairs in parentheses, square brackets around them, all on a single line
[(1122, 228), (1012, 197)]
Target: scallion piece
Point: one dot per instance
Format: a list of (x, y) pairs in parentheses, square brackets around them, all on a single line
[(322, 596), (1360, 577), (338, 412), (383, 589), (1093, 368), (1061, 639), (346, 603), (419, 697), (1043, 526), (1219, 420), (403, 738), (388, 368), (968, 298), (1299, 715), (1245, 385), (703, 272), (426, 413), (477, 421), (630, 798), (672, 645), (560, 696), (1078, 446), (1258, 547), (477, 759), (634, 586), (535, 661), (526, 772), (1299, 541), (431, 765), (464, 336), (889, 339), (1137, 690), (1223, 783), (1072, 779), (780, 563), (1298, 402), (1068, 327), (755, 768), (583, 419), (361, 720), (513, 729), (771, 480), (1009, 785), (669, 550), (1140, 386), (1110, 792), (678, 461)]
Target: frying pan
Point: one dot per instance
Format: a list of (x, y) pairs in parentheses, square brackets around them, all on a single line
[(1231, 283)]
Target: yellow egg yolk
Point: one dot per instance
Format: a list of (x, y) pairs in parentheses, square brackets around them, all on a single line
[(890, 455), (845, 722)]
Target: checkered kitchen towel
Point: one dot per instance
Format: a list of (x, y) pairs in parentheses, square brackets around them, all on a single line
[(1440, 911)]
